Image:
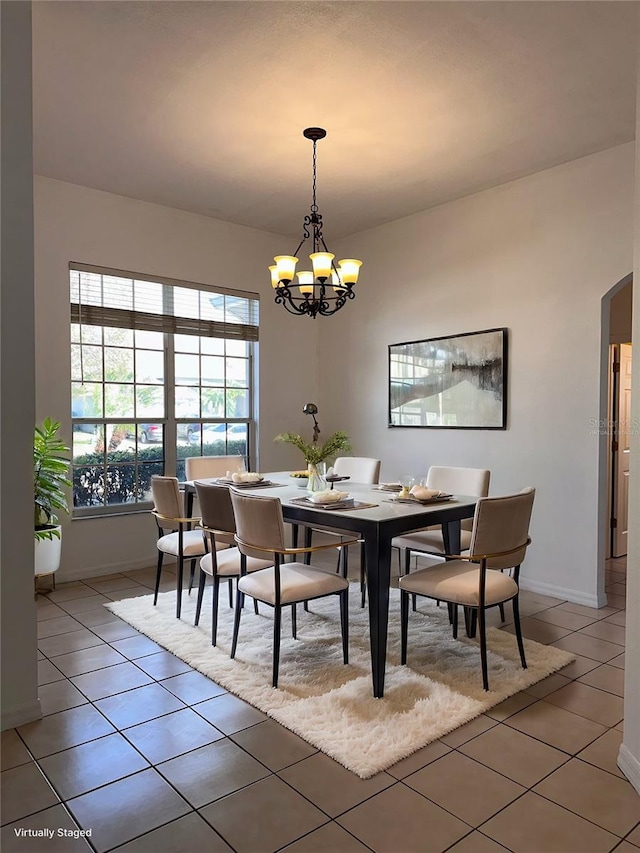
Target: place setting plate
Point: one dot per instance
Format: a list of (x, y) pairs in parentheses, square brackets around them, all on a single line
[(436, 499)]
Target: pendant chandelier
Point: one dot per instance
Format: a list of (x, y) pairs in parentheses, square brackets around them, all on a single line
[(326, 288)]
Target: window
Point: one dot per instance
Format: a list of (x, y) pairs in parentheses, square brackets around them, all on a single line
[(160, 370)]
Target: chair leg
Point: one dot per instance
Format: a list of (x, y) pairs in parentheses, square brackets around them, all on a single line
[(501, 608), (450, 611), (230, 592), (455, 621), (294, 622), (158, 573), (308, 538), (215, 592), (344, 624), (202, 580), (255, 607), (179, 586), (483, 647), (277, 623), (363, 576), (404, 625), (192, 575), (236, 622), (516, 620)]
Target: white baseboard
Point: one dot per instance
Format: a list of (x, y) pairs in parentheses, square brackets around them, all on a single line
[(83, 573), (13, 717), (564, 593), (630, 766)]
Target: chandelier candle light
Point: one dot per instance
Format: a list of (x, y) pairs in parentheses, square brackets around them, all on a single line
[(326, 288)]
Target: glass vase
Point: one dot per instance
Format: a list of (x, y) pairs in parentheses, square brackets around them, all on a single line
[(317, 472)]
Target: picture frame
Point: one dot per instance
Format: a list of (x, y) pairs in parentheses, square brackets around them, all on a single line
[(451, 382)]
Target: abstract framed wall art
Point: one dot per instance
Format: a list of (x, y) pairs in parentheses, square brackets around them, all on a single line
[(454, 382)]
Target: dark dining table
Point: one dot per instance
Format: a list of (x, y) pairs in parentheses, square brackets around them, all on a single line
[(377, 525)]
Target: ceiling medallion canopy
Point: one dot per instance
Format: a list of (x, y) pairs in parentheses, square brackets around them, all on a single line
[(326, 288)]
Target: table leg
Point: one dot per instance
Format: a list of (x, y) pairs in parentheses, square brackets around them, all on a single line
[(378, 562), (451, 537)]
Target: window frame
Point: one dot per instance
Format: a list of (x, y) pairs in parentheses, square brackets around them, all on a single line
[(170, 459)]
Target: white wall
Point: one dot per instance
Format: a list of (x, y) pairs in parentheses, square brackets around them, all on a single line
[(535, 255), (20, 702), (73, 223), (621, 316)]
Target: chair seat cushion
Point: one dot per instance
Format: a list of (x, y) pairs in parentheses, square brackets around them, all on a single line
[(429, 540), (192, 544), (457, 582), (298, 582), (229, 563)]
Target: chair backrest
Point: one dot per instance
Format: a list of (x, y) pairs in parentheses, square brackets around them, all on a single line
[(473, 482), (197, 467), (361, 469), (166, 496), (216, 509), (258, 522), (502, 523)]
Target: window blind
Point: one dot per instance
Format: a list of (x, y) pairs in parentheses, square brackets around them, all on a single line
[(101, 297)]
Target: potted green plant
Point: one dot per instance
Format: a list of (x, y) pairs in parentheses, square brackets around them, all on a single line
[(50, 467), (315, 454)]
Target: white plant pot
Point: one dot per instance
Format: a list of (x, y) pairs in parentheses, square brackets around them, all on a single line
[(47, 554)]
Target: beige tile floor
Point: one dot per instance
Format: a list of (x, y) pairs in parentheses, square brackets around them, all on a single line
[(155, 758)]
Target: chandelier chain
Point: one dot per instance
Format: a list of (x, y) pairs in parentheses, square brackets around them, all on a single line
[(314, 206)]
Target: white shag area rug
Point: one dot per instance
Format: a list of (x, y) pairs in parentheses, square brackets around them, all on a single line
[(331, 705)]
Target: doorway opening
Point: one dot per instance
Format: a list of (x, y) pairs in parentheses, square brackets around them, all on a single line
[(614, 432)]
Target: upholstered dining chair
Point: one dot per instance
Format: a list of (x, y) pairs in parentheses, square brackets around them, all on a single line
[(260, 530), (499, 541), (472, 482), (360, 469), (181, 542), (200, 467), (221, 562)]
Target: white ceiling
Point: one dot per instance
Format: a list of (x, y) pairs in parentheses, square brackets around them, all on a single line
[(200, 105)]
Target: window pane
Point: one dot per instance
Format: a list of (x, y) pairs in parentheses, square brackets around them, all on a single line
[(150, 434), (121, 486), (88, 485), (118, 365), (237, 403), (86, 400), (90, 368), (149, 401), (212, 371), (238, 348), (186, 343), (145, 473), (212, 346), (121, 445), (118, 401), (187, 369), (91, 334), (149, 367), (238, 372), (188, 433), (118, 337), (212, 402), (187, 403), (87, 439), (149, 340)]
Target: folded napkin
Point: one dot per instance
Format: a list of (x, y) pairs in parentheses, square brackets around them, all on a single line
[(328, 496), (421, 493), (244, 477)]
